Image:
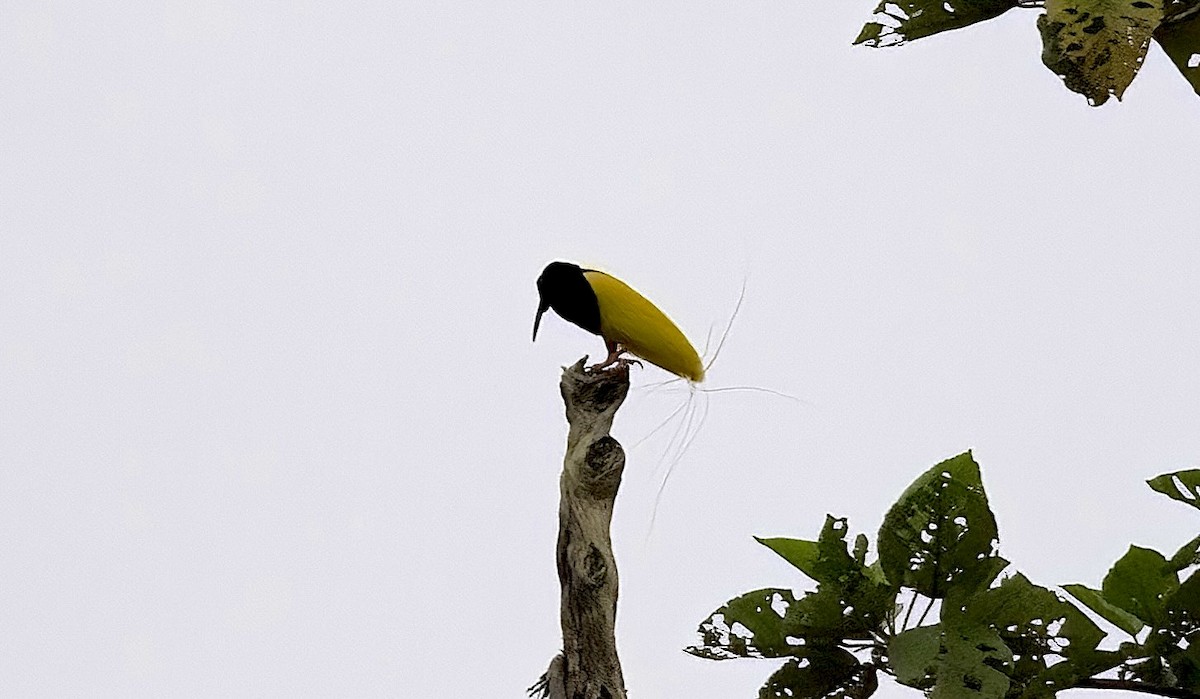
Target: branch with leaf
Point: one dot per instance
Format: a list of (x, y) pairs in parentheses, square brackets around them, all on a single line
[(934, 612), (1095, 46)]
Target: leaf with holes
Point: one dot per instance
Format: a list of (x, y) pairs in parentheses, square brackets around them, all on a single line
[(834, 613), (753, 625), (827, 559), (1097, 46), (913, 655), (1183, 486), (941, 535), (1040, 628), (825, 673), (1177, 640), (971, 660), (1139, 582), (1181, 40), (954, 659), (852, 600), (772, 623), (898, 21)]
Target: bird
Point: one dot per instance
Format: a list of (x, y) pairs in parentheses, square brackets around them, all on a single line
[(627, 321)]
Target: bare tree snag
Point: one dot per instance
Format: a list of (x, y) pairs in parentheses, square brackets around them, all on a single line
[(588, 667)]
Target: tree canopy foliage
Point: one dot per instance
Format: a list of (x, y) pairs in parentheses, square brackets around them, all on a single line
[(1095, 46), (988, 635)]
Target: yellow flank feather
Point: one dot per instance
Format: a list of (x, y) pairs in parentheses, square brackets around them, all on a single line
[(628, 318)]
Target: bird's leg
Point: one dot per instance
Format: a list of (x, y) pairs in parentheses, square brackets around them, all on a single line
[(614, 353), (615, 350)]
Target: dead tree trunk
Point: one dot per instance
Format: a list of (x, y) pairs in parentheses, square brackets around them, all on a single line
[(588, 667)]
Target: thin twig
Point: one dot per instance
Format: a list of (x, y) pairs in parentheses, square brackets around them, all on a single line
[(927, 608), (908, 612)]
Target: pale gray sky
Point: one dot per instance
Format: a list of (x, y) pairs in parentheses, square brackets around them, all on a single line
[(271, 421)]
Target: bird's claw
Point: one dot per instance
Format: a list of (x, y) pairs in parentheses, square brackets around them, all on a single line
[(621, 364)]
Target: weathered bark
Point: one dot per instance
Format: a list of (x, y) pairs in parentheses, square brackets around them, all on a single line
[(588, 667)]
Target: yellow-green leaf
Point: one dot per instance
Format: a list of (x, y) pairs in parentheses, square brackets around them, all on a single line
[(1097, 46), (1180, 38), (898, 21)]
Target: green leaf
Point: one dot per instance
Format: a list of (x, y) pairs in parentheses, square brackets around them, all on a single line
[(802, 554), (1097, 46), (1038, 627), (826, 560), (904, 20), (1183, 486), (826, 673), (968, 664), (1181, 40), (974, 658), (941, 535), (860, 549), (835, 613), (914, 655), (851, 600), (1018, 609), (964, 655), (1177, 640), (955, 660), (875, 572), (1187, 555), (1139, 582), (1094, 600), (1017, 639), (749, 626), (1068, 673)]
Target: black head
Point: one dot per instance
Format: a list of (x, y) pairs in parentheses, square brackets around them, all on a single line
[(563, 287)]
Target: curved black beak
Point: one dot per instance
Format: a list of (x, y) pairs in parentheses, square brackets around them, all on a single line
[(542, 307)]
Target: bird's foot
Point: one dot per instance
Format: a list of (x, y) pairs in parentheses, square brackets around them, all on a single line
[(615, 364), (625, 362), (615, 359)]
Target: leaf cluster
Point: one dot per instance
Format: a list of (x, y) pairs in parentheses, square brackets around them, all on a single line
[(978, 633), (1095, 46)]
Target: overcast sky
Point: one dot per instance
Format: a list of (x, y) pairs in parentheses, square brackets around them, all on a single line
[(270, 419)]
